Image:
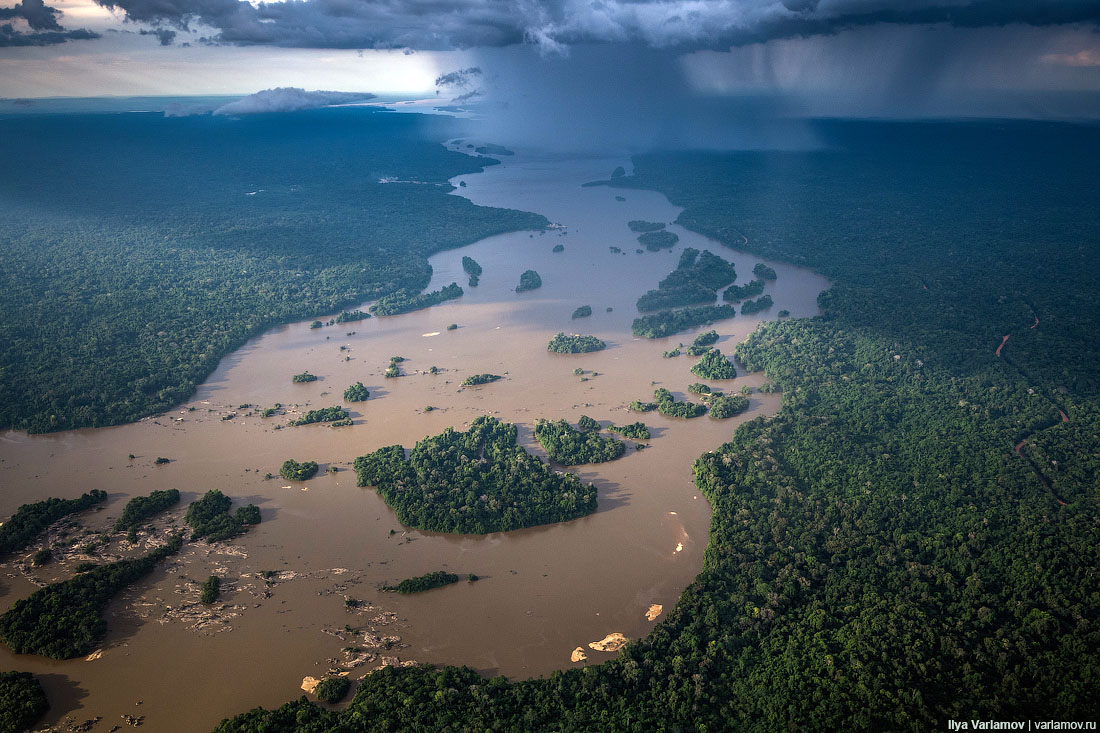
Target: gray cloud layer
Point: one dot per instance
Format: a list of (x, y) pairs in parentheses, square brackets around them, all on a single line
[(554, 25), (280, 99)]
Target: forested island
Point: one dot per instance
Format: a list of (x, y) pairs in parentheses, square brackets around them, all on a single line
[(473, 269), (528, 280), (641, 226), (325, 414), (737, 293), (473, 482), (141, 508), (356, 393), (656, 241), (574, 344), (714, 365), (209, 517), (583, 311), (148, 289), (634, 431), (293, 470), (30, 520), (476, 379), (696, 279), (421, 583), (668, 405), (22, 701), (749, 307), (65, 620), (666, 323), (571, 447)]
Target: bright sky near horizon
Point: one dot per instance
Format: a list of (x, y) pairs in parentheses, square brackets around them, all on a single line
[(863, 57)]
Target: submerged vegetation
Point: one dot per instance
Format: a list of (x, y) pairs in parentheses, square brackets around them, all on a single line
[(473, 482), (30, 520), (571, 447), (574, 344), (65, 620), (145, 285), (421, 583), (209, 517)]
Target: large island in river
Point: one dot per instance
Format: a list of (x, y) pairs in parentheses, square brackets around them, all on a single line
[(474, 482)]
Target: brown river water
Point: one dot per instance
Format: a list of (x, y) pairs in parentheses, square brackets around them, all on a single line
[(543, 591)]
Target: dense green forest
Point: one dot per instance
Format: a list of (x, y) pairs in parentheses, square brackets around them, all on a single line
[(571, 447), (141, 508), (209, 517), (574, 344), (30, 520), (421, 583), (473, 482), (22, 701), (210, 590), (139, 249), (65, 620), (721, 406), (332, 689), (881, 557)]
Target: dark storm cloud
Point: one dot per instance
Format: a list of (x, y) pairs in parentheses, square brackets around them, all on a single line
[(553, 26), (39, 16), (44, 28)]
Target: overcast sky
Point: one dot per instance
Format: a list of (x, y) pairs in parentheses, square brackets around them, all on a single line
[(1032, 58)]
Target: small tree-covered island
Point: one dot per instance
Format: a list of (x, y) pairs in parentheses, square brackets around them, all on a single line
[(473, 482), (529, 280), (571, 447), (574, 344)]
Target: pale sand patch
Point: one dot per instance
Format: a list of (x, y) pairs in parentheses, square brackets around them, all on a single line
[(679, 548), (610, 643), (309, 684), (433, 333), (654, 611), (94, 655), (578, 655)]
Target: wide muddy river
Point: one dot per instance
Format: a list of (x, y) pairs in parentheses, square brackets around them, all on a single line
[(542, 592)]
